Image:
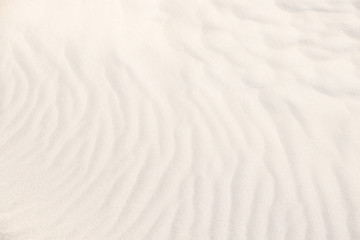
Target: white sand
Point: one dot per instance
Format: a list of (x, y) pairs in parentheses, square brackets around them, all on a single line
[(179, 119)]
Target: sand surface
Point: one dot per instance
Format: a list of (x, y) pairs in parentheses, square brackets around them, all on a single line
[(179, 120)]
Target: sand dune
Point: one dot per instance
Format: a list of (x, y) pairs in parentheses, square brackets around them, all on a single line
[(179, 120)]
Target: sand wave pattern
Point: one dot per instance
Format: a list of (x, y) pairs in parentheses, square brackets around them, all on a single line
[(179, 120)]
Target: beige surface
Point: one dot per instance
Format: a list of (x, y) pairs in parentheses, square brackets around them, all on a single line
[(179, 119)]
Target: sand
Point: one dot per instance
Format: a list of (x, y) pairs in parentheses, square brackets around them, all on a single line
[(179, 120)]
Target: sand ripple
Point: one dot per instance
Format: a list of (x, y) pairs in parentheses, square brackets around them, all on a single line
[(215, 119)]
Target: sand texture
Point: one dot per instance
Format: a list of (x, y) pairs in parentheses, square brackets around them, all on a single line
[(179, 120)]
